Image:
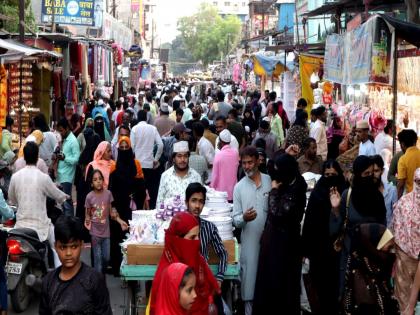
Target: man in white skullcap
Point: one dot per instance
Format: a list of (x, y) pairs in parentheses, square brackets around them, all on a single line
[(176, 179), (225, 165), (366, 147)]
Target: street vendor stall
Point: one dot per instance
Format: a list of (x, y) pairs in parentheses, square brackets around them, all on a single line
[(144, 245), (377, 68), (19, 64), (131, 274)]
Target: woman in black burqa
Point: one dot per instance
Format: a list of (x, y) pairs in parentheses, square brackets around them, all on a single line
[(366, 205), (127, 185), (318, 244), (83, 187), (279, 269)]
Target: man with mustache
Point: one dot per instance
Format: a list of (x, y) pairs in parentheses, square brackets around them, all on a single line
[(250, 206)]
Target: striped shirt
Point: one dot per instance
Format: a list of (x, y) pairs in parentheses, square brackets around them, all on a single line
[(209, 234)]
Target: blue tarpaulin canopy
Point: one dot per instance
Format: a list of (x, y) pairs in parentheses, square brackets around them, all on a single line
[(273, 64)]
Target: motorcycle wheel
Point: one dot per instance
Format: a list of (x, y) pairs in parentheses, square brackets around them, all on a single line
[(21, 296)]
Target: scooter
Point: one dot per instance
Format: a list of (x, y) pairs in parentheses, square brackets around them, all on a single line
[(28, 261)]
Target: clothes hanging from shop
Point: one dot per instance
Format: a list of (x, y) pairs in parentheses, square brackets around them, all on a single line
[(58, 83), (71, 90), (66, 62)]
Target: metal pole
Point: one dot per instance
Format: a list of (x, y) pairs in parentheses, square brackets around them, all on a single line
[(263, 20), (53, 17), (21, 20), (297, 23), (394, 91), (22, 40)]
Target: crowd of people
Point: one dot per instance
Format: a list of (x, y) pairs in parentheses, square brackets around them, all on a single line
[(359, 229)]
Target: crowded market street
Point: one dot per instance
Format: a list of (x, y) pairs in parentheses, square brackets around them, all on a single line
[(234, 157)]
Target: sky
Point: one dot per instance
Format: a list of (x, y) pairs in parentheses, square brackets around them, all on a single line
[(167, 12)]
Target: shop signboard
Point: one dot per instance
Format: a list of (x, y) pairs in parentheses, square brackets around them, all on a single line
[(358, 47), (73, 12), (333, 62)]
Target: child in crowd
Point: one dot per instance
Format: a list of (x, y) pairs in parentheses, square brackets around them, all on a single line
[(73, 288), (177, 291), (99, 208)]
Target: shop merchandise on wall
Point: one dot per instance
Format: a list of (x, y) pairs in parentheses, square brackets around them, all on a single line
[(21, 113), (409, 92), (3, 95)]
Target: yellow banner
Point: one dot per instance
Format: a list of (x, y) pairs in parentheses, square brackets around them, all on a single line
[(3, 96), (307, 66)]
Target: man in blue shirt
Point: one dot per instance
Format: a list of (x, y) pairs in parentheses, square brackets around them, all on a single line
[(68, 158)]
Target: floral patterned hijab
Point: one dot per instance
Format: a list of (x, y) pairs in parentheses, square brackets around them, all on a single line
[(406, 220)]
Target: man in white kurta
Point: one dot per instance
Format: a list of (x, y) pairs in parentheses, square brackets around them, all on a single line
[(29, 189), (250, 206)]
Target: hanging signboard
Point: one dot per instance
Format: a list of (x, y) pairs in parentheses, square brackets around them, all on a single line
[(73, 12), (333, 62), (360, 56)]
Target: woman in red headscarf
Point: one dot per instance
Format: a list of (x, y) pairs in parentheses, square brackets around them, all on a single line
[(176, 295), (182, 245)]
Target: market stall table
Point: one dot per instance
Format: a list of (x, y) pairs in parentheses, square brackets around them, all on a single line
[(133, 273)]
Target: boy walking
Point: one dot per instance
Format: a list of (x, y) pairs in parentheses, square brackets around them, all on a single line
[(73, 288)]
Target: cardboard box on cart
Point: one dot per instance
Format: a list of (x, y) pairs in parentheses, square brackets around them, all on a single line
[(150, 254)]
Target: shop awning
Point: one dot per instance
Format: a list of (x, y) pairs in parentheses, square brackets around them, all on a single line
[(352, 6), (409, 32), (11, 45)]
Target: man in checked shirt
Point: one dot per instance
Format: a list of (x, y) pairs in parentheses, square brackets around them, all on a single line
[(195, 198)]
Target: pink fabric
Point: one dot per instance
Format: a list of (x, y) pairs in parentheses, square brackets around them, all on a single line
[(99, 164), (225, 168), (236, 73), (406, 220)]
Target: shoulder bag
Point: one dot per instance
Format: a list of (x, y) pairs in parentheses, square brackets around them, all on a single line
[(338, 243)]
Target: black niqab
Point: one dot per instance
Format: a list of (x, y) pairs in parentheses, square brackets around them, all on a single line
[(92, 142), (99, 127), (126, 166), (286, 169), (365, 195)]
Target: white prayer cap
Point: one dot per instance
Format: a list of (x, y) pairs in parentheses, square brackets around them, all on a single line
[(30, 138), (121, 99), (247, 129), (225, 136), (100, 102), (362, 124), (181, 147)]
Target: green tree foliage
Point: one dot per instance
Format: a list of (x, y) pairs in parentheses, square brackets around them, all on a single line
[(10, 8), (208, 36), (179, 56)]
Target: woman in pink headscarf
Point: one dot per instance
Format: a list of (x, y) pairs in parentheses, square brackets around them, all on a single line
[(101, 161), (406, 229)]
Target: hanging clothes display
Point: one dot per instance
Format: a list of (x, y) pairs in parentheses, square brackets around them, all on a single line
[(58, 83), (3, 95), (71, 90)]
